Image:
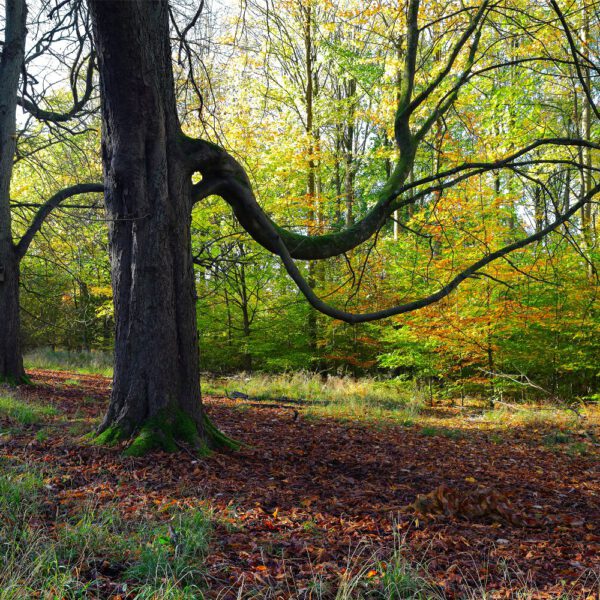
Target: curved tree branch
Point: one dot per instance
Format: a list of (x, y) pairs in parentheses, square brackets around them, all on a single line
[(225, 177), (473, 28), (78, 103), (354, 318), (576, 57), (43, 212)]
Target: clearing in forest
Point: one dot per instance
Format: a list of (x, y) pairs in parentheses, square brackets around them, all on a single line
[(448, 505)]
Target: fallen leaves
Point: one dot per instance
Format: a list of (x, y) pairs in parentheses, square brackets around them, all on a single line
[(476, 504), (299, 500)]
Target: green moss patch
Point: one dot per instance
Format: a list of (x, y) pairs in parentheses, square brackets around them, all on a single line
[(110, 436), (165, 431), (217, 439)]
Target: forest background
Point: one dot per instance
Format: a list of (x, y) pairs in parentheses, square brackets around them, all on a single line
[(304, 97)]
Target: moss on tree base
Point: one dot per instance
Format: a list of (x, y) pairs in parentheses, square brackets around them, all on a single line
[(109, 437), (167, 431), (217, 440)]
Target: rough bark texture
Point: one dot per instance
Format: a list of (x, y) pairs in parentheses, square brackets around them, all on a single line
[(156, 388), (11, 359), (11, 60)]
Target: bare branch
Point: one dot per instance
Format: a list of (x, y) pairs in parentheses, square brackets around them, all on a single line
[(43, 212), (78, 103)]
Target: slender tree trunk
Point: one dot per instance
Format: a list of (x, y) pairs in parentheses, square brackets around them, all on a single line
[(586, 212), (438, 142), (538, 199), (337, 180), (387, 141), (311, 182), (156, 387), (349, 153), (11, 61), (247, 357), (229, 327)]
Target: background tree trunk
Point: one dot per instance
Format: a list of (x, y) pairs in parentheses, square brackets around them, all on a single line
[(587, 221), (311, 180), (156, 387), (11, 359), (11, 61)]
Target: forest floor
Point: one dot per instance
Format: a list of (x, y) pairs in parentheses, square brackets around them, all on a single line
[(312, 506)]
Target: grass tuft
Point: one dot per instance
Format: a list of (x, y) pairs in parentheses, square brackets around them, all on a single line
[(176, 551), (529, 416), (18, 411), (451, 434), (146, 557), (93, 362), (367, 399)]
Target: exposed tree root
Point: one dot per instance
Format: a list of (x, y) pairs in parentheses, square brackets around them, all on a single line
[(169, 431)]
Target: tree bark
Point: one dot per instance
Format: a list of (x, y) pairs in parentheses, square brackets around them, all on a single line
[(11, 358), (349, 158), (246, 321), (11, 61), (156, 388), (587, 223), (311, 181)]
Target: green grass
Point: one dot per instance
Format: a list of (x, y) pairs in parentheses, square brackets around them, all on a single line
[(451, 434), (20, 492), (175, 551), (94, 363), (531, 417), (565, 441), (41, 436), (55, 556), (577, 449), (401, 579), (377, 574), (557, 438), (311, 388), (393, 401), (92, 533), (17, 411)]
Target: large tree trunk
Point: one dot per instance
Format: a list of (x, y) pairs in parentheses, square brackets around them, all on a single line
[(11, 61), (156, 387)]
